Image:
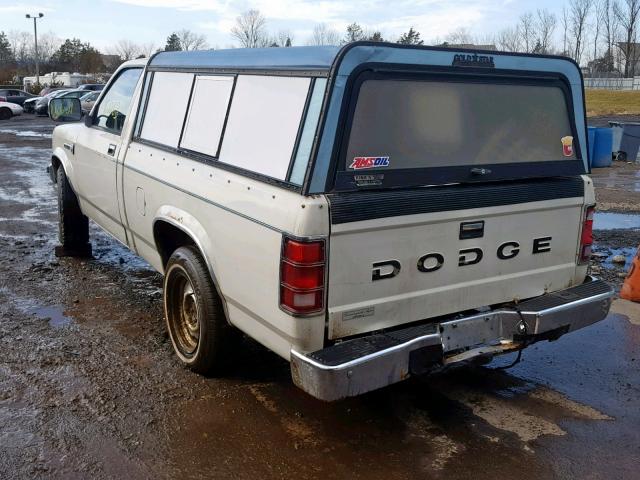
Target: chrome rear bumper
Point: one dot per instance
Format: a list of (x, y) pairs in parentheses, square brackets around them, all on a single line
[(363, 364)]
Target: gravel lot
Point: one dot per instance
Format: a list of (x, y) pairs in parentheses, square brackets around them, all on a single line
[(90, 389)]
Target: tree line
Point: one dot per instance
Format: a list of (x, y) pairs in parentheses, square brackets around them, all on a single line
[(599, 34)]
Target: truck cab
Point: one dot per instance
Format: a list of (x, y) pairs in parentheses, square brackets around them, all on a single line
[(367, 213)]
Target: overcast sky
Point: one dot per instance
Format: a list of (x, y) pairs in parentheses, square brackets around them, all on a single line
[(103, 22)]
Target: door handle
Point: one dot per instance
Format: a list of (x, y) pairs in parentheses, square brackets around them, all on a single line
[(111, 150)]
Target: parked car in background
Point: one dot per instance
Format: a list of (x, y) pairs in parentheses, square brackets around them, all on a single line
[(76, 93), (8, 110), (94, 87), (47, 90), (29, 105), (42, 105), (88, 100), (15, 96)]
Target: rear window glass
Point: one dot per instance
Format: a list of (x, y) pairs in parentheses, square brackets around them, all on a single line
[(408, 124)]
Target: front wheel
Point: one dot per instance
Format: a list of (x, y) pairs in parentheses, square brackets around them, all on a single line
[(73, 225), (196, 322), (5, 113)]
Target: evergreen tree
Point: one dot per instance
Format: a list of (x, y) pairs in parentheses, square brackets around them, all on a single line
[(376, 37), (75, 56), (173, 43), (412, 37), (68, 55), (6, 55), (91, 60), (354, 33)]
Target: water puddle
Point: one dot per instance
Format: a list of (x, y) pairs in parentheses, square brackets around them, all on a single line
[(55, 315), (612, 221), (628, 253), (25, 133)]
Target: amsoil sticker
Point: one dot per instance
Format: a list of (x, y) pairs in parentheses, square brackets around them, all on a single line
[(567, 146), (360, 163)]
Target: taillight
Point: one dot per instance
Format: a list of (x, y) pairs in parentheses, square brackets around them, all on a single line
[(302, 276), (3, 99), (586, 238)]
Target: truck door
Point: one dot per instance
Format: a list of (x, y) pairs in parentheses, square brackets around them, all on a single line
[(97, 150)]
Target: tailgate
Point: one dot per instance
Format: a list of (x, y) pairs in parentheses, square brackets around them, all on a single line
[(401, 256)]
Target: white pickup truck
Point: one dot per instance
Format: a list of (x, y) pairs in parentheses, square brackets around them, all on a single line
[(367, 213)]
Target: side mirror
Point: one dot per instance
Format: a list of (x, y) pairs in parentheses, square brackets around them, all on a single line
[(65, 109), (88, 120)]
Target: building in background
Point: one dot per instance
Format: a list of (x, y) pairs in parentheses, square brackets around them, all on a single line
[(63, 79)]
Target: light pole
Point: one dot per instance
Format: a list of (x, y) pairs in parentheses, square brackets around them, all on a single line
[(35, 37)]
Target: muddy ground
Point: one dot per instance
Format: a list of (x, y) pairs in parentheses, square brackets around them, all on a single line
[(90, 389)]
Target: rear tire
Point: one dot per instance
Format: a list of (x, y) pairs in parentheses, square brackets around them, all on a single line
[(5, 113), (201, 336), (73, 225)]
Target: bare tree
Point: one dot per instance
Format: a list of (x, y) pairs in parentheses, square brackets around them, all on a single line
[(324, 35), (48, 43), (597, 27), (609, 30), (527, 27), (21, 45), (546, 26), (459, 36), (147, 49), (191, 41), (626, 13), (126, 50), (565, 31), (508, 39), (251, 29), (579, 11), (608, 23), (284, 38)]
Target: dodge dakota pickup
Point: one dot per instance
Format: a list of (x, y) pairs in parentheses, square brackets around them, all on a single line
[(368, 212)]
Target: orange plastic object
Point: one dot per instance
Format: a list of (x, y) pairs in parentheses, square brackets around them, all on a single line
[(631, 286)]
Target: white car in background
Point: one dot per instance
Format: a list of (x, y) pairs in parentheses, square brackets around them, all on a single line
[(8, 110)]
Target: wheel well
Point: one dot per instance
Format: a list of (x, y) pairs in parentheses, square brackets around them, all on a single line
[(168, 238), (55, 164)]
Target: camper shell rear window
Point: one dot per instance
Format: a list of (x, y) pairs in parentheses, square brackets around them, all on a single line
[(410, 129)]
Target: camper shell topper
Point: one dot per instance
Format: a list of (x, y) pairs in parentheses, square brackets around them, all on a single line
[(381, 115)]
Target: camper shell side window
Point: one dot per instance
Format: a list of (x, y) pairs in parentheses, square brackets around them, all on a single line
[(259, 125)]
